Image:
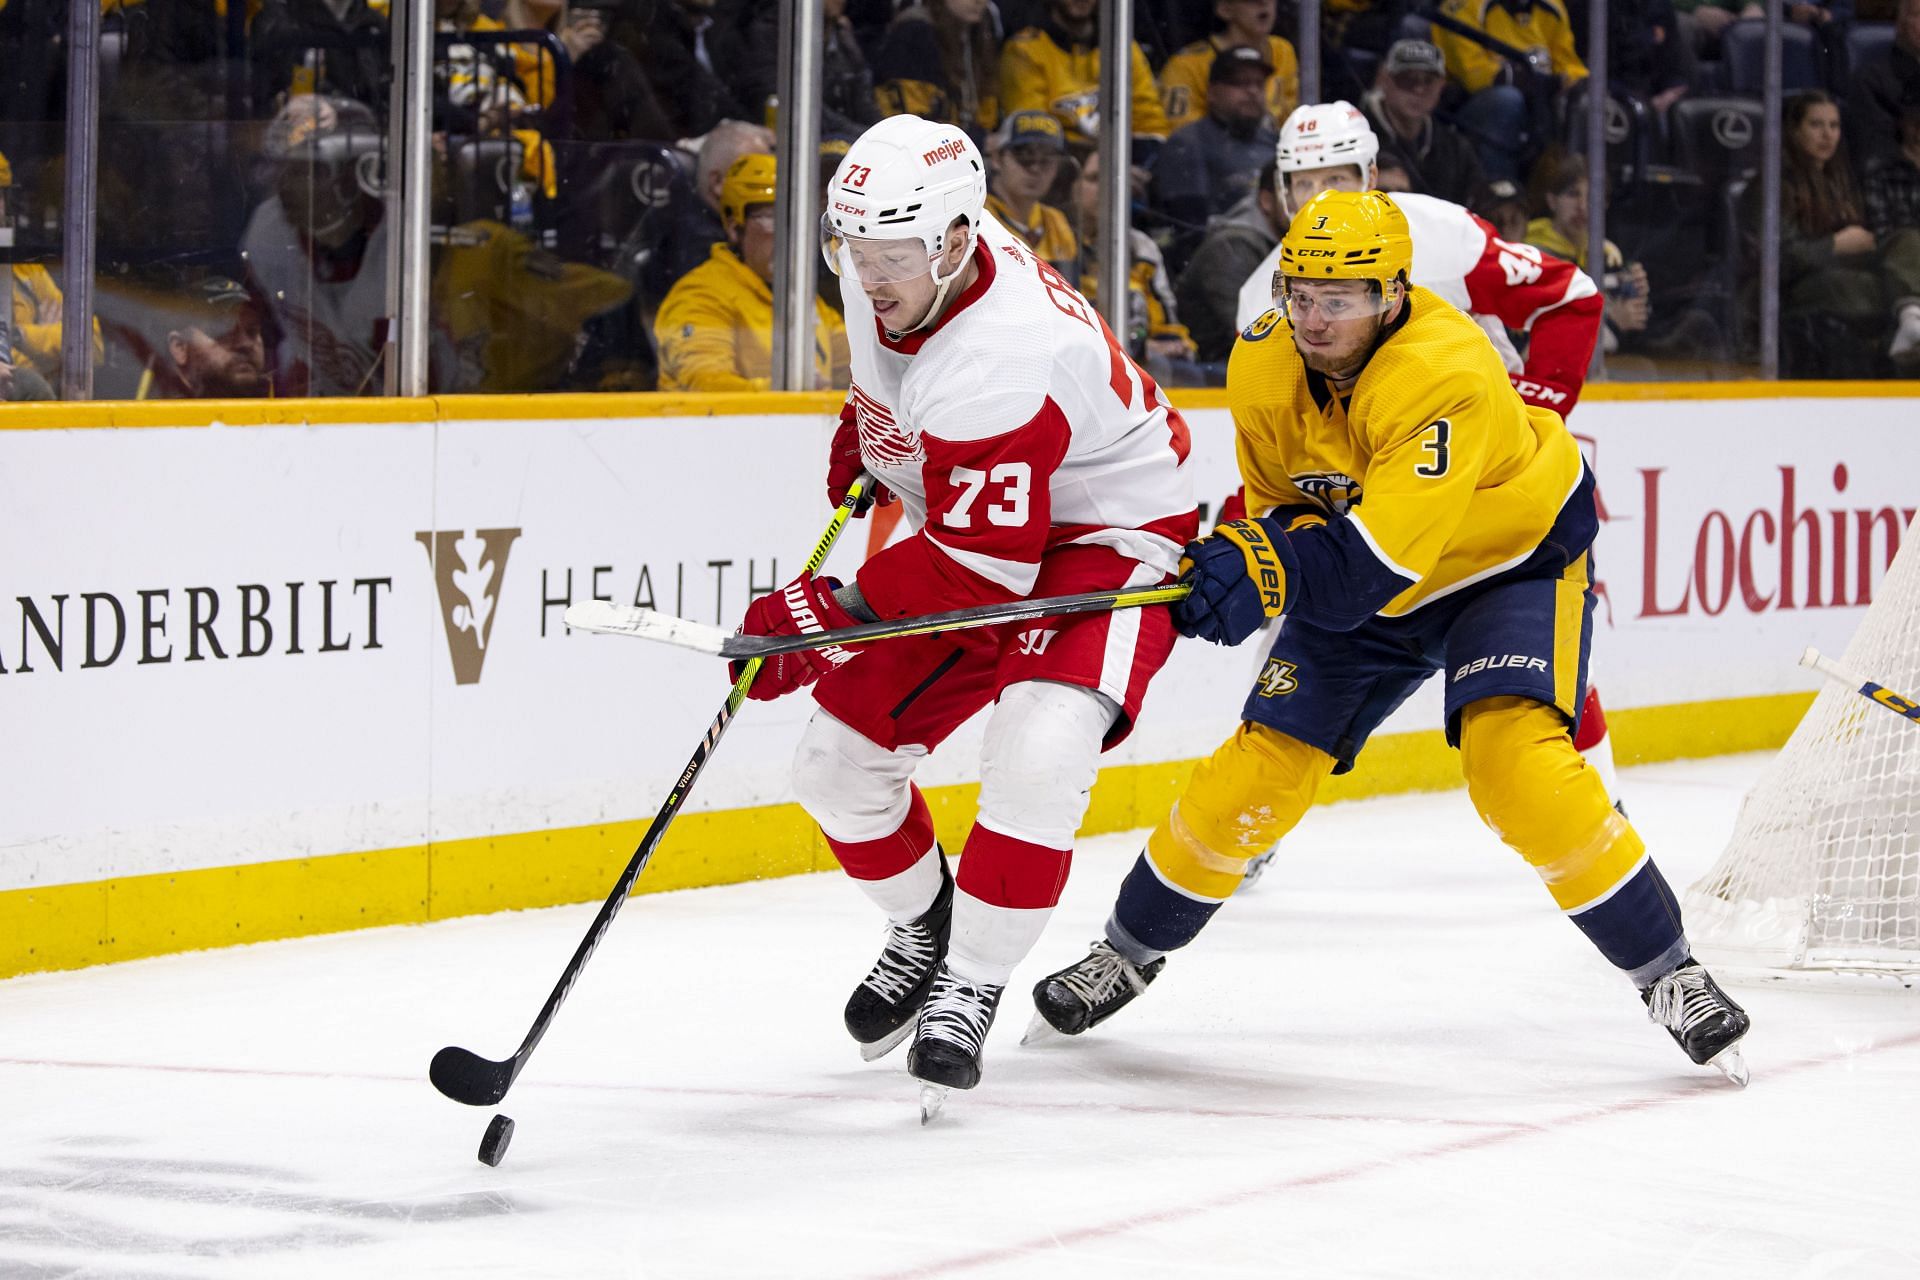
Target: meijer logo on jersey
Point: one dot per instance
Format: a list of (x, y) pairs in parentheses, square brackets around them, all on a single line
[(951, 149), (467, 572)]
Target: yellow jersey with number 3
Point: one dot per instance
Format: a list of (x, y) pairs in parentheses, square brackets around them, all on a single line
[(1433, 472)]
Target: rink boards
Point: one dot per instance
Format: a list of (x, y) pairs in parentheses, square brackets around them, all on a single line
[(275, 669)]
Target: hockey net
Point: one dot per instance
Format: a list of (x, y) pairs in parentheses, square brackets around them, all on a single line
[(1822, 874)]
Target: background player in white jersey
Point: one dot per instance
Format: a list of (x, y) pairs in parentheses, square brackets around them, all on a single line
[(1331, 147), (1033, 457)]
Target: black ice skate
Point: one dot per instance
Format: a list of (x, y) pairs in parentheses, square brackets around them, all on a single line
[(880, 1011), (1087, 992), (951, 1037), (1704, 1020)]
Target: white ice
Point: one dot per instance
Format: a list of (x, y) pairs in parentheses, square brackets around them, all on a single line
[(1392, 1058)]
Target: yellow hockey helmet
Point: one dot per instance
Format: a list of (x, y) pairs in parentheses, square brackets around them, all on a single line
[(749, 181), (1348, 235)]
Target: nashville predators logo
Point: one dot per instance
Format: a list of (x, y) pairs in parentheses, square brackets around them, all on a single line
[(1329, 489), (1262, 325), (1276, 679)]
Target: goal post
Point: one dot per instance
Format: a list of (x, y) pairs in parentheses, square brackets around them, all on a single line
[(1822, 873)]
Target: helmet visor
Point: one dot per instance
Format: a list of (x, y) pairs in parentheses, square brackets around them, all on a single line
[(1331, 301), (874, 262)]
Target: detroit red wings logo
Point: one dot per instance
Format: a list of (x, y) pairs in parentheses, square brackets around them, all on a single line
[(882, 440)]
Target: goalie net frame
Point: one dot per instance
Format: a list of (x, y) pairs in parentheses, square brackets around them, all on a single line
[(1820, 881)]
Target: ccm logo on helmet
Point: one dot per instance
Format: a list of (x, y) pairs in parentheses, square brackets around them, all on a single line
[(951, 149), (844, 207)]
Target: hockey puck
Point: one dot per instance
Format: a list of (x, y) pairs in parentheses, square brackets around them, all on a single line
[(493, 1143)]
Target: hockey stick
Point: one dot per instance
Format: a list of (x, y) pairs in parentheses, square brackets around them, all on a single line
[(619, 620), (1861, 685), (467, 1077)]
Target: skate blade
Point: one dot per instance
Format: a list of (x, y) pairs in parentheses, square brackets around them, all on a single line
[(1039, 1031), (886, 1044), (933, 1097), (1731, 1064)]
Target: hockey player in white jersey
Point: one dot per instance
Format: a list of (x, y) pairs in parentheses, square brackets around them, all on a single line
[(1330, 146), (1033, 457)]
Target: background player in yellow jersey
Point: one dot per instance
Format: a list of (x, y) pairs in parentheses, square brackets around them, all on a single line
[(1415, 516)]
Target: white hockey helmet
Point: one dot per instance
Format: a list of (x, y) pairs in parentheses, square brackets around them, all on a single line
[(903, 179), (1323, 135)]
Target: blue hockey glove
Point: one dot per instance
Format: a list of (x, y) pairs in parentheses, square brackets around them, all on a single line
[(1238, 582)]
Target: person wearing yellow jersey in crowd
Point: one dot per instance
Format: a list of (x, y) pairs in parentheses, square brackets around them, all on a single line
[(715, 328), (1409, 515), (1055, 67), (1509, 106), (1023, 159), (37, 319), (1183, 81)]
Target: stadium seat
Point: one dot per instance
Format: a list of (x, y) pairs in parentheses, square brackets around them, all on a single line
[(1743, 53), (1716, 139), (1867, 43), (1629, 132), (484, 170)]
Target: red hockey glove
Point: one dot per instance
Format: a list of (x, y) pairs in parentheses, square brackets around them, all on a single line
[(1546, 394), (803, 606), (844, 465)]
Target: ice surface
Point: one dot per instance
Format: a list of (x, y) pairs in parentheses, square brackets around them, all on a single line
[(1391, 1058)]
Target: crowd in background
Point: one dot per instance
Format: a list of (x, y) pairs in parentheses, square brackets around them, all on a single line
[(602, 177)]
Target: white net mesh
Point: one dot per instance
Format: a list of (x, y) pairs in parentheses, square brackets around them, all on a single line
[(1823, 870)]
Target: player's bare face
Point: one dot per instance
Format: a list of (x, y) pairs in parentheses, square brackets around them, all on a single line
[(1304, 184), (1334, 323)]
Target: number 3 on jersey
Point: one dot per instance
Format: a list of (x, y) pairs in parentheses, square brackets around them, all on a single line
[(1007, 505)]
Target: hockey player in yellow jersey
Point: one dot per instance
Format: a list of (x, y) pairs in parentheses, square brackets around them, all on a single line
[(1409, 515)]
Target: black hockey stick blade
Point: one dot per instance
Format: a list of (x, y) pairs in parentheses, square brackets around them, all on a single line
[(467, 1077)]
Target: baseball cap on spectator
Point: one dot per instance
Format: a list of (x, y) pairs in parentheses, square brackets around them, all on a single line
[(1030, 129), (1416, 55), (749, 182), (1231, 62)]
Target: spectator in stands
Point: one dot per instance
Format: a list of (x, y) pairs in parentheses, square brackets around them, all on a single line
[(331, 47), (1509, 99), (18, 381), (316, 249), (1892, 200), (1154, 333), (941, 60), (1392, 173), (1647, 56), (1023, 161), (36, 326), (1208, 291), (715, 329), (1838, 287), (1503, 204), (691, 50), (1563, 232), (678, 236), (1702, 21), (1211, 165), (1440, 161), (612, 95), (846, 84), (217, 355), (1055, 67), (1884, 88), (1184, 80)]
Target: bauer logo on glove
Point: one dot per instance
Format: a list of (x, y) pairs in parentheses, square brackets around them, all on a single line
[(1238, 575)]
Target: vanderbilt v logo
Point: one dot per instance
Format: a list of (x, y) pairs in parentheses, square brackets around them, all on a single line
[(467, 572)]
